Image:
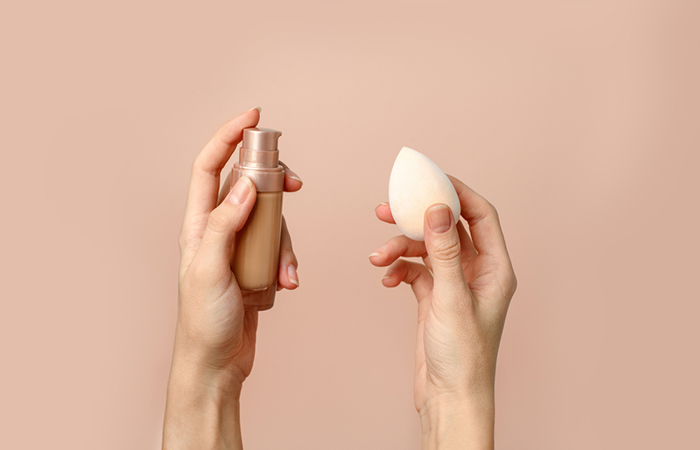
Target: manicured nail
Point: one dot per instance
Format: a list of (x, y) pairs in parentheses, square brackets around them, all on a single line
[(257, 107), (240, 191), (292, 274), (293, 176), (439, 218), (386, 277), (381, 204), (380, 251)]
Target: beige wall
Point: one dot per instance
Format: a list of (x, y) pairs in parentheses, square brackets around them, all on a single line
[(578, 120)]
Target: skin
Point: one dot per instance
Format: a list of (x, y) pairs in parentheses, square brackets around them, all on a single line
[(215, 336), (463, 288)]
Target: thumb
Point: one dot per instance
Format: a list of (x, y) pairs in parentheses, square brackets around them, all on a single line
[(445, 251), (224, 221)]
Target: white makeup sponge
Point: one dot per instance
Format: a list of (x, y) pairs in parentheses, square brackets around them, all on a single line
[(415, 184)]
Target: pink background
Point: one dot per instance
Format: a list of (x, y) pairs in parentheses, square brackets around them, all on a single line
[(578, 120)]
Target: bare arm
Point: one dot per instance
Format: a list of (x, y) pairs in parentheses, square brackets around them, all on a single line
[(215, 335), (463, 288)]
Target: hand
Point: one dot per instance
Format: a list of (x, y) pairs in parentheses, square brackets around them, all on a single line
[(215, 335), (463, 288)]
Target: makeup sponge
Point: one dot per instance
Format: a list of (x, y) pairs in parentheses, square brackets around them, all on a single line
[(415, 184)]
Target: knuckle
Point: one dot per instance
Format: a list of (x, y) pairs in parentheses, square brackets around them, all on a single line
[(287, 254), (287, 250), (186, 240), (201, 164), (196, 163), (509, 283), (513, 283), (218, 222), (199, 275), (492, 209), (447, 250), (189, 278)]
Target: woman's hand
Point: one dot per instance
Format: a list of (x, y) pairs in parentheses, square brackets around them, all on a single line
[(215, 335), (463, 288)]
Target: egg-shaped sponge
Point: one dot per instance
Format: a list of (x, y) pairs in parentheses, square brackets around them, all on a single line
[(415, 184)]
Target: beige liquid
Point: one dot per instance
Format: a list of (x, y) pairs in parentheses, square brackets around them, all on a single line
[(256, 251)]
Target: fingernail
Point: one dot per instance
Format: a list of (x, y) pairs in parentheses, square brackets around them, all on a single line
[(439, 218), (386, 277), (379, 251), (292, 274), (257, 107), (240, 191), (293, 176)]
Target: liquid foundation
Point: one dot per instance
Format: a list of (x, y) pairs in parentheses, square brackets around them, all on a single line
[(255, 255)]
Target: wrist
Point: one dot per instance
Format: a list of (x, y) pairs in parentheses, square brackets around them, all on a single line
[(203, 406), (459, 423), (201, 412), (199, 359)]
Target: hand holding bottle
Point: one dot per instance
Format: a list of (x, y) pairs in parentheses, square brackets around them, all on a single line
[(215, 335), (463, 288)]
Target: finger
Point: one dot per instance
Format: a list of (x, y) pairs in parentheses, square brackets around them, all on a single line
[(395, 248), (214, 251), (287, 276), (383, 212), (225, 188), (292, 182), (417, 275), (468, 250), (206, 171), (443, 245), (482, 217)]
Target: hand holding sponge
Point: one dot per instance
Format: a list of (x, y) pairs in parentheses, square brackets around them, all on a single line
[(415, 184)]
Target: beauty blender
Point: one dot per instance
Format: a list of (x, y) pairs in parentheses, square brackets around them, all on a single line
[(415, 184)]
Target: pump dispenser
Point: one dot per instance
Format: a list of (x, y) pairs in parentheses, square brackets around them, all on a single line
[(255, 255)]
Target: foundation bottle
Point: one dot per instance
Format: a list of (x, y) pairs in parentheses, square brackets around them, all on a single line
[(255, 255)]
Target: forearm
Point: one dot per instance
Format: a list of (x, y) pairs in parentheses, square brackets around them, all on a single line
[(467, 425), (202, 412)]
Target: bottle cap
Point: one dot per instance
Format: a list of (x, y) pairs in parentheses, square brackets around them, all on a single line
[(260, 139), (259, 160)]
